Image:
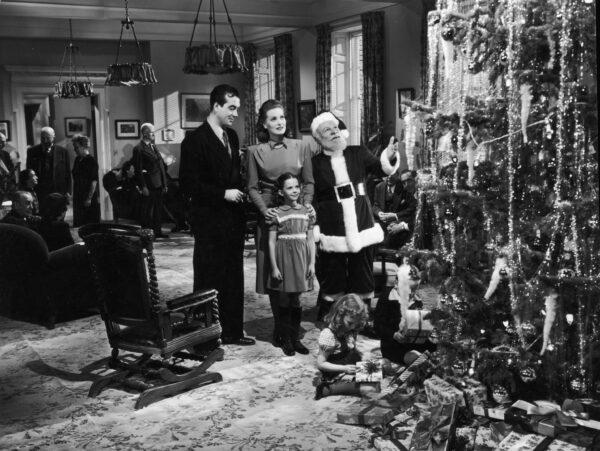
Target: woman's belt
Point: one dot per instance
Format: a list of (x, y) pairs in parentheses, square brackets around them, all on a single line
[(292, 236)]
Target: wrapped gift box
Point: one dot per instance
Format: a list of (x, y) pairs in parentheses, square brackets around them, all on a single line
[(417, 329), (484, 440), (483, 410), (398, 433), (368, 371), (365, 414), (435, 429), (559, 445), (474, 391), (465, 438), (586, 406), (405, 374), (523, 442), (439, 391)]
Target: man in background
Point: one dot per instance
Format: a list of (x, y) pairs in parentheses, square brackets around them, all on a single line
[(210, 177), (151, 175), (8, 176), (52, 164)]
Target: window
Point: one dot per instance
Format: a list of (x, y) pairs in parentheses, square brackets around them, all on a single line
[(264, 79), (346, 79)]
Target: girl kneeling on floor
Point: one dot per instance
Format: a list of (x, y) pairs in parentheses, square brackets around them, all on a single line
[(338, 355), (292, 255)]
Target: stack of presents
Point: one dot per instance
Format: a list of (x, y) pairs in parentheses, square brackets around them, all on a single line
[(418, 411)]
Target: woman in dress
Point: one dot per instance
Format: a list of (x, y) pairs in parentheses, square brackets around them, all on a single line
[(273, 156), (86, 208)]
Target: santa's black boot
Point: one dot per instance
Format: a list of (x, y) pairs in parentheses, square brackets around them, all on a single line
[(295, 318)]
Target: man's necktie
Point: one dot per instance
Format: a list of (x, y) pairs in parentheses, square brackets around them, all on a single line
[(226, 142)]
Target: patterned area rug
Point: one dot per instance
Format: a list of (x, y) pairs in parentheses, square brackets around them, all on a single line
[(264, 402)]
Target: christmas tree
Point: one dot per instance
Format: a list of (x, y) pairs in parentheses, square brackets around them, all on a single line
[(505, 146)]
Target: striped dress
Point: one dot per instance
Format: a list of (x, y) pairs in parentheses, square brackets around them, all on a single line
[(291, 250)]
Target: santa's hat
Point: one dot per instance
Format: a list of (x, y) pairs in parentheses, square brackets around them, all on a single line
[(325, 117)]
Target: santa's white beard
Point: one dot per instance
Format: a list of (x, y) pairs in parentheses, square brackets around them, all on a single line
[(337, 145)]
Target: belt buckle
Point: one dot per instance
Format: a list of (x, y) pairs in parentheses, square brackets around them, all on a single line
[(344, 191)]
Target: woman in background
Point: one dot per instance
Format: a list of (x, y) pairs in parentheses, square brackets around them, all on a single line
[(267, 161), (86, 208)]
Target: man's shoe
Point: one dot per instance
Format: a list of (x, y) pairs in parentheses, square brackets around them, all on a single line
[(241, 341)]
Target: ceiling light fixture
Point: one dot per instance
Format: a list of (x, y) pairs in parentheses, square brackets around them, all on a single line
[(72, 88), (214, 57), (130, 74)]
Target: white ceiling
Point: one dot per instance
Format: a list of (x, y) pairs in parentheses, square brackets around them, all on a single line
[(172, 20)]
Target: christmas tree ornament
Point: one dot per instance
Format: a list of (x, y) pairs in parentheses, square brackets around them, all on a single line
[(551, 305), (526, 96), (448, 33), (527, 374), (578, 385), (528, 329), (501, 272), (569, 318), (500, 394)]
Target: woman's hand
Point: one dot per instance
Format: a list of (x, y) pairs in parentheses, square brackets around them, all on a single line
[(87, 202), (271, 214), (310, 272), (276, 274), (311, 211), (350, 369)]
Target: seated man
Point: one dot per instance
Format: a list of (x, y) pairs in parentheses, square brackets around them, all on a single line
[(28, 180), (395, 205), (22, 211)]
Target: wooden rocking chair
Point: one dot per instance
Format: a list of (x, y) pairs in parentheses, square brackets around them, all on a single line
[(138, 320)]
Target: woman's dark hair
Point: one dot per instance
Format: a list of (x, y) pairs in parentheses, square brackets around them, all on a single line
[(54, 206), (286, 176), (261, 134)]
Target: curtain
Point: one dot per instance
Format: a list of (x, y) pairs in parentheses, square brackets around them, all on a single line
[(284, 79), (323, 67), (373, 59), (249, 96)]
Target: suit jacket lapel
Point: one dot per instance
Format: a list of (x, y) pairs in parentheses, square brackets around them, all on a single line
[(216, 145)]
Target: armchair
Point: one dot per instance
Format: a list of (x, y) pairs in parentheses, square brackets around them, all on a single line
[(137, 319)]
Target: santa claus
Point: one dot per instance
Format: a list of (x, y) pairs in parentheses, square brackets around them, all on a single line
[(346, 232)]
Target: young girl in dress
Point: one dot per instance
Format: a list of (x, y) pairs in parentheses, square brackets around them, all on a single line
[(337, 348), (292, 256)]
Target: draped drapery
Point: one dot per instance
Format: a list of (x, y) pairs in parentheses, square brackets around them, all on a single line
[(284, 79), (373, 60), (323, 67), (249, 96)]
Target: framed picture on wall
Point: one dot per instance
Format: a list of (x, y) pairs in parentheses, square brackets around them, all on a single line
[(307, 110), (194, 109), (76, 126), (404, 94), (127, 129), (5, 129)]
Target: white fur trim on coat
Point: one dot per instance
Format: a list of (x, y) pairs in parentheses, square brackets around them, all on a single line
[(364, 238), (386, 166)]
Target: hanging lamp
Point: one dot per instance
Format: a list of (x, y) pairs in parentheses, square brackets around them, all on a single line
[(72, 88), (214, 57), (129, 74)]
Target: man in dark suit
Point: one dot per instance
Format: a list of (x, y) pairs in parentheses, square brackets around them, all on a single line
[(8, 178), (151, 177), (210, 177), (395, 207), (52, 164)]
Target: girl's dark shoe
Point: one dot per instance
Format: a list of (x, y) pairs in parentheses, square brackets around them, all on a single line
[(300, 348)]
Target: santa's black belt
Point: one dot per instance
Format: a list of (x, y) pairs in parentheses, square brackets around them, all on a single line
[(348, 191)]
